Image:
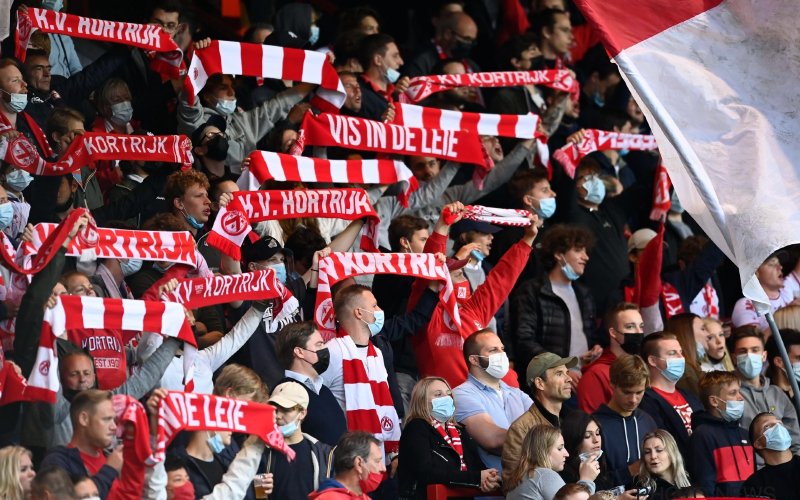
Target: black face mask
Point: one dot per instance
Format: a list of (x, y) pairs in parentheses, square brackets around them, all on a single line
[(217, 148), (323, 360), (461, 49), (63, 207), (632, 343), (538, 63)]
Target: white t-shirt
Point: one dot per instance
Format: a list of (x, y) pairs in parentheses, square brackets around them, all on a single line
[(744, 313)]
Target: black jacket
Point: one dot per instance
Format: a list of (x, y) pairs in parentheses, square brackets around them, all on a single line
[(539, 320), (427, 459), (668, 419), (722, 456)]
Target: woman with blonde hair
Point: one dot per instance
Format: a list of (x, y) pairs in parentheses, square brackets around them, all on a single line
[(435, 449), (717, 356), (543, 456), (661, 468), (16, 473)]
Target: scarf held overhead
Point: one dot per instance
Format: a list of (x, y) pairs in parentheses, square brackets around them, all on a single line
[(340, 265), (368, 135), (499, 216), (601, 140), (165, 246), (76, 312), (232, 224), (91, 147), (421, 87), (267, 61), (519, 126), (265, 166), (221, 289), (181, 411), (162, 49)]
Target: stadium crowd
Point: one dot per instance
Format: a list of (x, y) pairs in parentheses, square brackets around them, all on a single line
[(559, 342)]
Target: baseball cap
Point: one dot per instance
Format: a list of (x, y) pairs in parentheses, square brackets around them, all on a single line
[(261, 249), (213, 121), (466, 225), (546, 360), (289, 395), (640, 239)]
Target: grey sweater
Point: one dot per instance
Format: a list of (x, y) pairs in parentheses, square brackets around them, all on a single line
[(543, 484), (769, 398)]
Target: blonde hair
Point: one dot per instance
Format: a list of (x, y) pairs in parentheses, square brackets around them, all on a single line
[(788, 317), (241, 380), (726, 359), (418, 405), (10, 487), (679, 476), (535, 453)]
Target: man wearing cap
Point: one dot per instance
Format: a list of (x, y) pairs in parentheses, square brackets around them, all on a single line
[(313, 462), (210, 149), (473, 242), (555, 313), (548, 377)]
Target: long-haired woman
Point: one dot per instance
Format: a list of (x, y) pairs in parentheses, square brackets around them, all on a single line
[(16, 473), (662, 468)]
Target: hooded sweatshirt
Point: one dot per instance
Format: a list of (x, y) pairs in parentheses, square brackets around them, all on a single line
[(722, 457), (594, 389), (622, 440)]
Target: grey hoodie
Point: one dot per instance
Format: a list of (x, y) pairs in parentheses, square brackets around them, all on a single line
[(769, 398)]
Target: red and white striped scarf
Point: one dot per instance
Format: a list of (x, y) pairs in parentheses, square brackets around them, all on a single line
[(164, 246), (499, 216), (163, 51), (367, 400), (12, 385), (661, 199), (340, 265), (265, 165), (76, 312), (267, 61), (180, 411), (91, 147), (369, 135), (451, 437), (601, 140), (232, 224), (421, 87), (194, 293), (519, 126), (35, 129)]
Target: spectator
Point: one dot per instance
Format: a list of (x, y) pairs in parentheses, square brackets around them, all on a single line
[(721, 455), (623, 422), (380, 58), (52, 482), (717, 356), (554, 29), (772, 441), (429, 433), (455, 39), (535, 476), (85, 489), (626, 333), (776, 370), (358, 462), (770, 276), (583, 437), (690, 331), (16, 472), (670, 406), (547, 376), (662, 469), (574, 491), (486, 416)]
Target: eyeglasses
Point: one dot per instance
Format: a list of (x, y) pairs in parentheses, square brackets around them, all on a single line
[(169, 27)]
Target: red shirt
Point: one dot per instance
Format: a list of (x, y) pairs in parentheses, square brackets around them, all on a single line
[(93, 464), (108, 352), (680, 405)]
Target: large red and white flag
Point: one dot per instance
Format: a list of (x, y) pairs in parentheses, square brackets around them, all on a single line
[(710, 76)]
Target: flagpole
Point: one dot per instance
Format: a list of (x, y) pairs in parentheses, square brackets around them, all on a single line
[(786, 363)]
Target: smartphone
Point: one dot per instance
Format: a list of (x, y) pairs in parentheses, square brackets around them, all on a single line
[(618, 490), (585, 456), (643, 491)]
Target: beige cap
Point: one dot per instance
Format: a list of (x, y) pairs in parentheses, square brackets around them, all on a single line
[(289, 395), (640, 239)]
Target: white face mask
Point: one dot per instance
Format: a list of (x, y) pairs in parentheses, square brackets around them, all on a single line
[(226, 106), (498, 365)]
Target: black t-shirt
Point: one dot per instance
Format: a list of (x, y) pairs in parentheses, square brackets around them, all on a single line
[(294, 480), (213, 470), (775, 481)]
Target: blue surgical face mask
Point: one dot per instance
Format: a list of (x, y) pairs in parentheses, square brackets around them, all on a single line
[(733, 411), (624, 151), (18, 179), (477, 255), (569, 272), (226, 106), (130, 266), (547, 207), (701, 351), (598, 99), (796, 371), (376, 326), (121, 112), (215, 443), (392, 75), (777, 438), (192, 221), (675, 368), (595, 190), (749, 365), (6, 214), (442, 408), (313, 38), (55, 5), (280, 271), (288, 429), (17, 103)]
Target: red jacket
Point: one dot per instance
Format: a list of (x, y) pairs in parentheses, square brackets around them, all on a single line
[(594, 389), (439, 349)]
